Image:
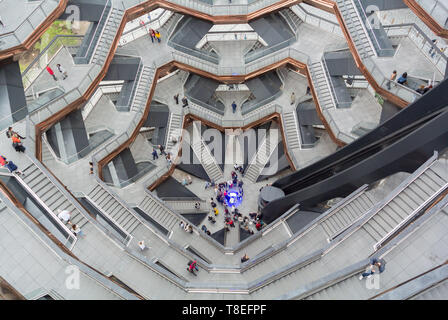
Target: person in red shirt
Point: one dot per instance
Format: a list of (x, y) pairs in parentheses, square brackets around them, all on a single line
[(51, 72)]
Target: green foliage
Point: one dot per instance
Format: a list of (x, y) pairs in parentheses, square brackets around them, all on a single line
[(379, 98)]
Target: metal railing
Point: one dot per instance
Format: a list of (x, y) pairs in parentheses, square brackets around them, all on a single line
[(437, 9), (316, 20), (142, 30), (257, 54), (96, 36), (414, 213), (26, 27), (422, 41), (38, 65), (370, 29)]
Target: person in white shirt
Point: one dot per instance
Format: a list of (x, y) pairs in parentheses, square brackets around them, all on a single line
[(141, 244), (62, 71), (64, 215)]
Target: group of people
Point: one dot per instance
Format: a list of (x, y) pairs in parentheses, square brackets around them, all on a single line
[(154, 34), (403, 80), (184, 100), (18, 146), (162, 152), (65, 217), (231, 213), (61, 70), (186, 227)]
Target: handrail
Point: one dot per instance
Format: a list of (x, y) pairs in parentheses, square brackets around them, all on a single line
[(41, 53), (128, 238), (106, 7), (369, 25), (410, 217), (27, 20), (413, 32), (50, 212), (391, 196)]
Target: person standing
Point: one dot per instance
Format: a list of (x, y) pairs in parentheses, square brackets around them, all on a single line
[(434, 43), (62, 71), (11, 133), (308, 90), (392, 79), (176, 98), (234, 106), (51, 72), (157, 34), (154, 154), (184, 102), (293, 98), (152, 34), (142, 245)]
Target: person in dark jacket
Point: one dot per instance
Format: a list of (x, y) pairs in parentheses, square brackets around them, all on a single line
[(375, 264)]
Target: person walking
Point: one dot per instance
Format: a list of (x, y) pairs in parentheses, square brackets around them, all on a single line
[(51, 72), (154, 154), (293, 98), (392, 79), (157, 34), (62, 71), (176, 98), (234, 106), (91, 167), (64, 216), (184, 102)]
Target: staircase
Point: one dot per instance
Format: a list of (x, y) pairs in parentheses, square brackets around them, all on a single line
[(291, 130), (203, 153), (437, 292), (114, 209), (174, 130), (183, 206), (50, 194), (107, 36), (322, 86), (47, 156), (260, 159), (143, 89), (158, 212), (346, 215), (292, 19), (406, 201), (356, 28)]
